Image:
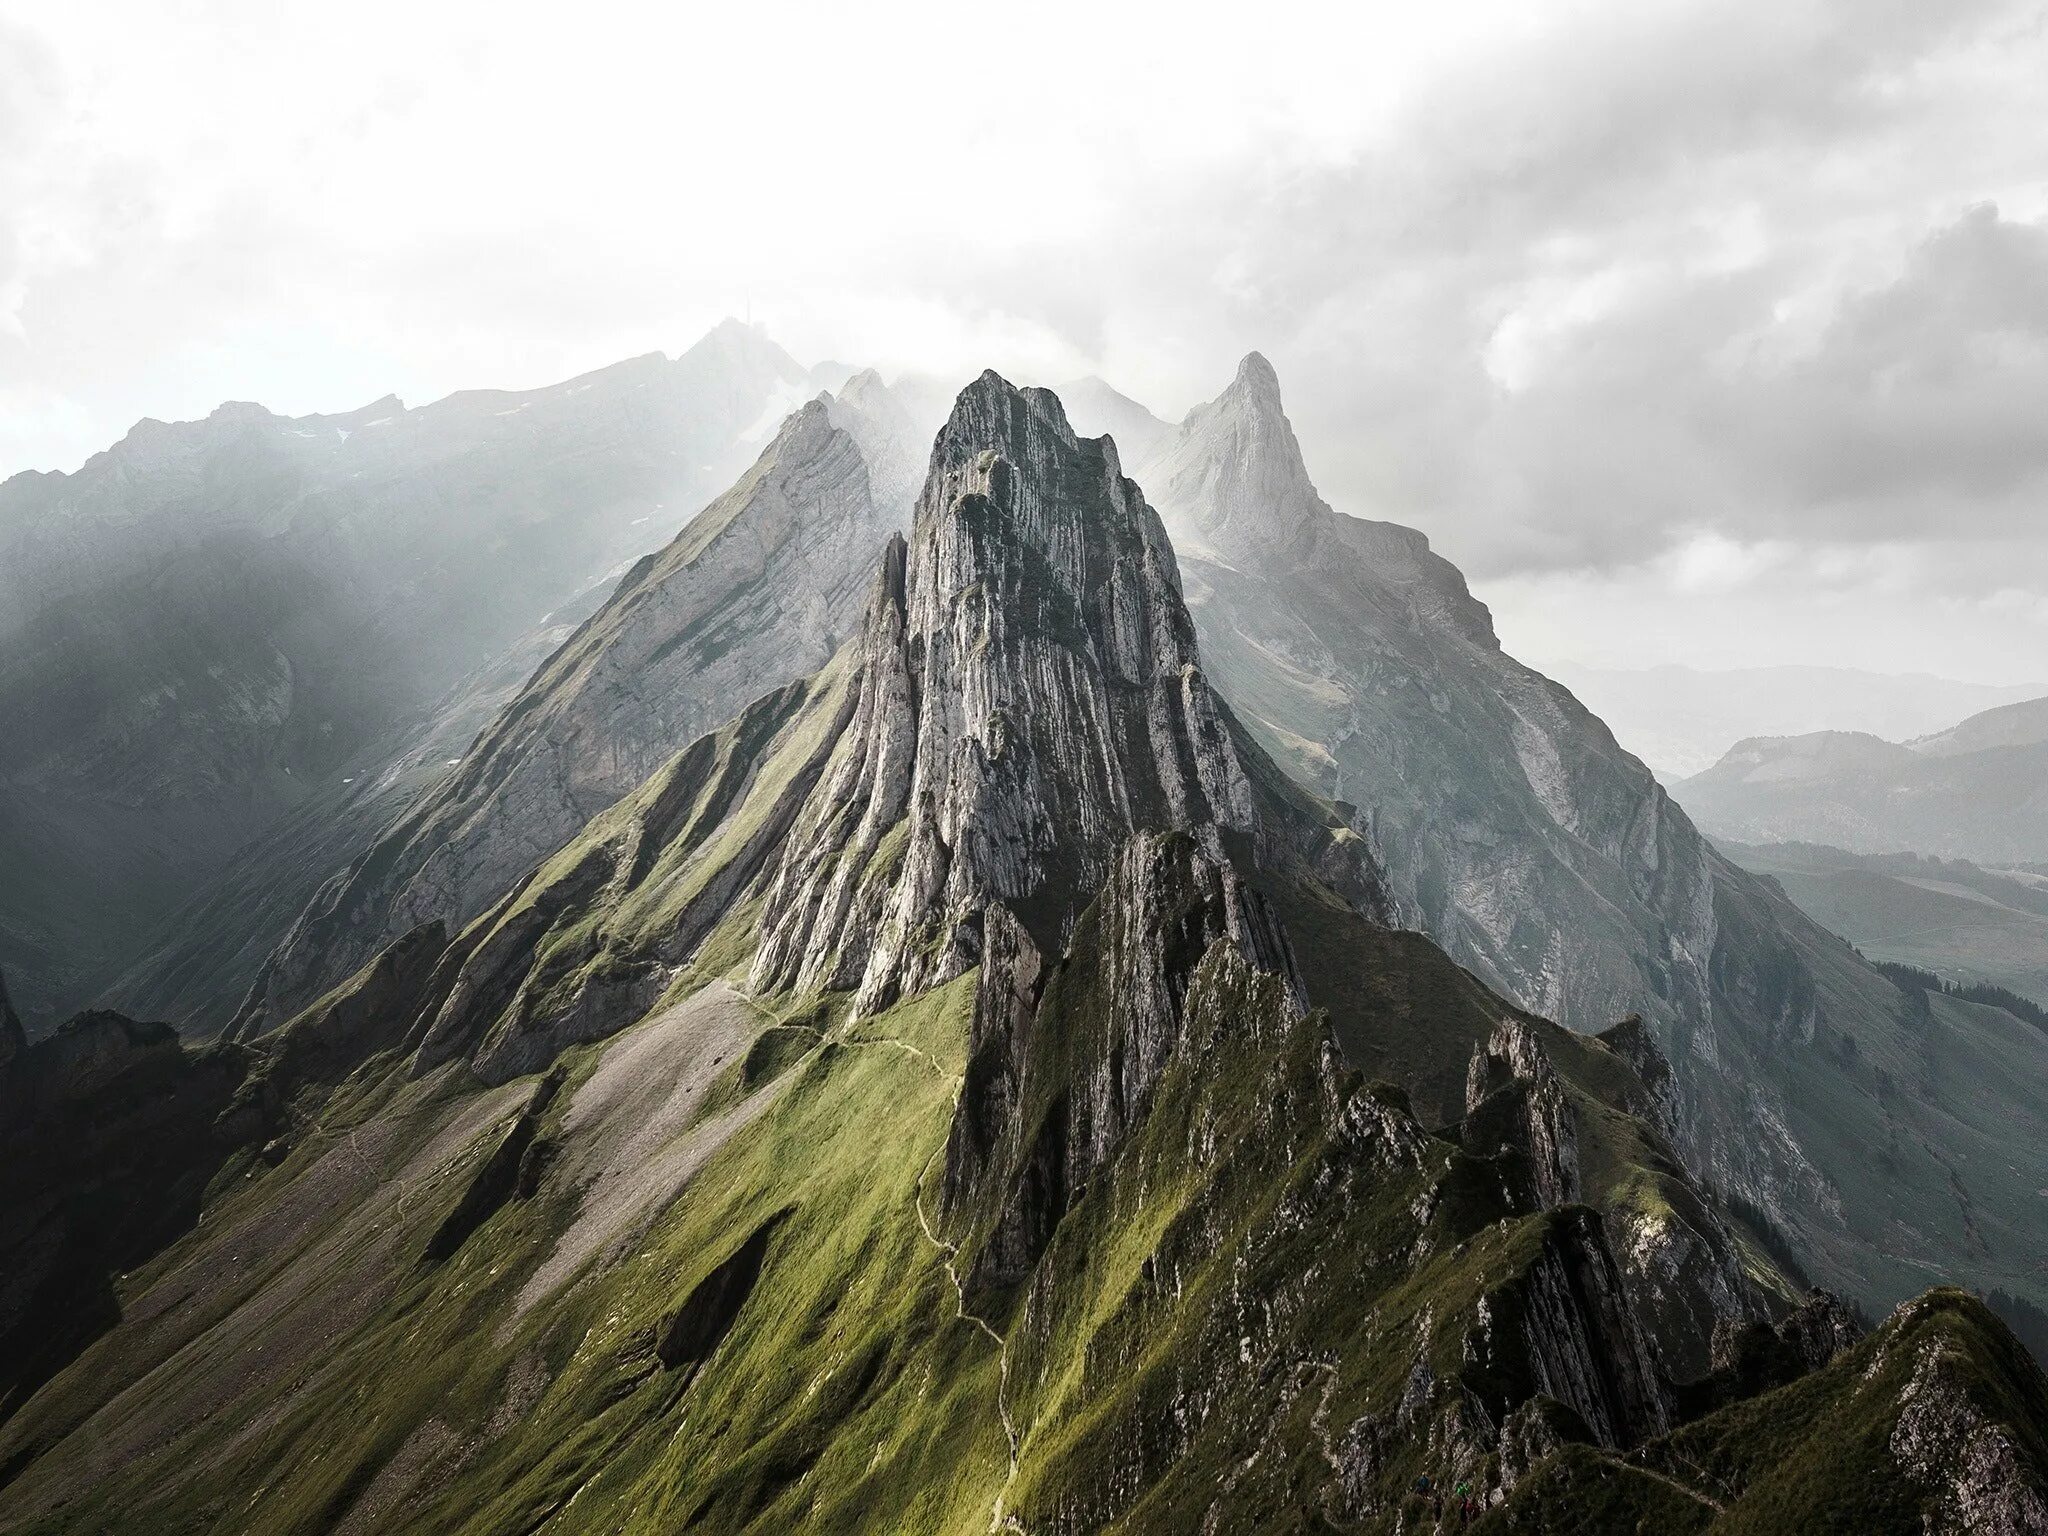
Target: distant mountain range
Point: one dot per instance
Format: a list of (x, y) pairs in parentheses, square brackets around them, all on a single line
[(1977, 790), (1682, 720)]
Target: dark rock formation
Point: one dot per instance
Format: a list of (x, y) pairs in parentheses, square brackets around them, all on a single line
[(110, 1130), (1750, 1357), (505, 1172), (1567, 1331), (688, 1335), (1514, 1100), (13, 1038), (1054, 1088)]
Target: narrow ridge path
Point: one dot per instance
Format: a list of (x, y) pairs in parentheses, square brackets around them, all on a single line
[(948, 1253)]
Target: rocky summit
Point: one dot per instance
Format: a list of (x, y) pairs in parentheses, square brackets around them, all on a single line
[(969, 1086)]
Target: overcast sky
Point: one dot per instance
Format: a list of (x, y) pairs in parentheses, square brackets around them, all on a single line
[(1696, 332)]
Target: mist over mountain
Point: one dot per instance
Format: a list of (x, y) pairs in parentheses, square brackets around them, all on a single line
[(1314, 802), (214, 623), (1964, 923)]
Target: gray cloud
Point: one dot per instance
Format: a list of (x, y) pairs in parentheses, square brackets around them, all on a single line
[(1595, 282)]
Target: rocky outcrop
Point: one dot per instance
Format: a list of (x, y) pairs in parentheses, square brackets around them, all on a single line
[(1029, 696), (892, 442), (1515, 1100), (1566, 1330), (1752, 1356), (1048, 1101), (1977, 1478)]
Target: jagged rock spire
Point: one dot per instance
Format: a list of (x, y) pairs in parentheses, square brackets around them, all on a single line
[(1231, 481), (1029, 697)]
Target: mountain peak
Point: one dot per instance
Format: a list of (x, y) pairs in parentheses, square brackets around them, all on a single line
[(735, 341), (1231, 481), (1028, 696), (1254, 372), (1097, 408)]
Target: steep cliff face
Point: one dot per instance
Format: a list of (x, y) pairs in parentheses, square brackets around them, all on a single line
[(1515, 832), (761, 588), (1030, 696), (1930, 1425), (1512, 827), (108, 1135), (1514, 1097)]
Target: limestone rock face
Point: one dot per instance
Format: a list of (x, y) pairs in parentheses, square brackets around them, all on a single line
[(1517, 834), (1579, 1339), (889, 436), (1172, 904), (1029, 697), (760, 589), (1512, 828), (1818, 1329), (1234, 478), (1532, 1116), (1945, 1441)]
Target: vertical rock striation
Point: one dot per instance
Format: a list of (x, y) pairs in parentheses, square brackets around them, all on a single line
[(1029, 697), (1515, 1099)]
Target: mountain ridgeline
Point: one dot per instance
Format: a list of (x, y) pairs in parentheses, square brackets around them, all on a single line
[(216, 625), (1978, 790), (972, 1087), (1521, 837)]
